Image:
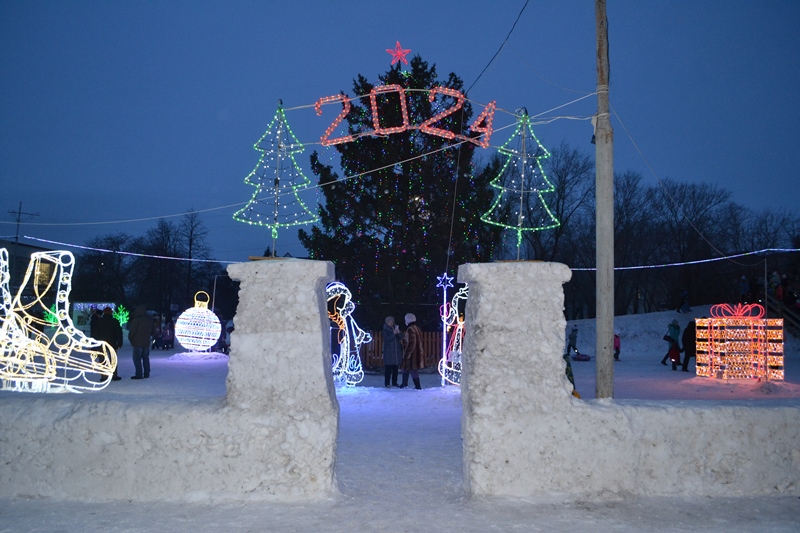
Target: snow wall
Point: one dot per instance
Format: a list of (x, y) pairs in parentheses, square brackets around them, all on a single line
[(525, 434), (273, 438)]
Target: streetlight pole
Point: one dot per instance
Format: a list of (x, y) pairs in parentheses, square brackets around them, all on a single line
[(214, 292)]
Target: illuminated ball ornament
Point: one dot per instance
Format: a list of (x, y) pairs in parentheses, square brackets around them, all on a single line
[(198, 328)]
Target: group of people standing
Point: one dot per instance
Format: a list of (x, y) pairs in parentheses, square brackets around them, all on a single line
[(402, 351), (674, 350), (103, 326), (141, 332), (163, 338)]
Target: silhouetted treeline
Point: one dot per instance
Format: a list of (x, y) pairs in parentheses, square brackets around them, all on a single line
[(158, 282), (665, 223)]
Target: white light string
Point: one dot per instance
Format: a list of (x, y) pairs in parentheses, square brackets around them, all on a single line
[(699, 261), (132, 254), (576, 269)]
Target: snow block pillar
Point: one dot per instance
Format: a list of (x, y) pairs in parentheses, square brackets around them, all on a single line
[(280, 349), (513, 366), (525, 435), (280, 366)]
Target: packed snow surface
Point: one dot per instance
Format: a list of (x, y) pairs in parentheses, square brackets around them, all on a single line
[(399, 457)]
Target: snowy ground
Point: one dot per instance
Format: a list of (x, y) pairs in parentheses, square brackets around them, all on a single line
[(640, 375), (399, 458)]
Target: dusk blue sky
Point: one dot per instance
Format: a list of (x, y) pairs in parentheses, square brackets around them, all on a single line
[(113, 110)]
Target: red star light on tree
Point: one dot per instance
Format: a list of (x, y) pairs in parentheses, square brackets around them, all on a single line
[(398, 53)]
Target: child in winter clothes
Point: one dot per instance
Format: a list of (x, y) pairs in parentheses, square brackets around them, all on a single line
[(674, 351), (572, 345), (572, 340)]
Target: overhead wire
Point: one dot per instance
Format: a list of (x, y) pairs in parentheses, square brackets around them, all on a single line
[(519, 15), (458, 155), (671, 198), (574, 269)]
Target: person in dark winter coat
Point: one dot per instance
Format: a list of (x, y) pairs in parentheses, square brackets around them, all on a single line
[(572, 340), (140, 331), (689, 340), (108, 329), (674, 351), (413, 352), (392, 350), (97, 316)]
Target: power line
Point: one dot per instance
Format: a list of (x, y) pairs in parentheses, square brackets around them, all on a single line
[(501, 47), (587, 269), (19, 212)]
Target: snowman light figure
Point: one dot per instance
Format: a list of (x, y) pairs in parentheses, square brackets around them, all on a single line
[(347, 365)]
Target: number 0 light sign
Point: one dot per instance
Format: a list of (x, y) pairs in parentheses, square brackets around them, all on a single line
[(482, 124)]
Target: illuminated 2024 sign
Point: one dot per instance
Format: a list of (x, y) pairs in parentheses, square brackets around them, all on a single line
[(481, 126)]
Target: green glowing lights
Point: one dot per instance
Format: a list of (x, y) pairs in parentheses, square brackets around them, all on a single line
[(520, 204), (278, 181)]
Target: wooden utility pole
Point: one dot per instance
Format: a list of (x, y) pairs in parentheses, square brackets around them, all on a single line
[(604, 190), (15, 270)]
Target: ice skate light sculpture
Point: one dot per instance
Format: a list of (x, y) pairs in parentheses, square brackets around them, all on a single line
[(197, 328), (347, 366), (30, 360), (450, 364), (737, 342)]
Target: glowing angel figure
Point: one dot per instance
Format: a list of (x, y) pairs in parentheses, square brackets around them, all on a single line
[(450, 364), (347, 365), (29, 359)]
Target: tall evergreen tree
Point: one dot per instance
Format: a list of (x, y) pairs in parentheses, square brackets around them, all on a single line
[(386, 222)]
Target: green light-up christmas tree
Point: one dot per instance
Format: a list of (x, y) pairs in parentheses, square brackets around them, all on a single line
[(521, 182), (278, 180)]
